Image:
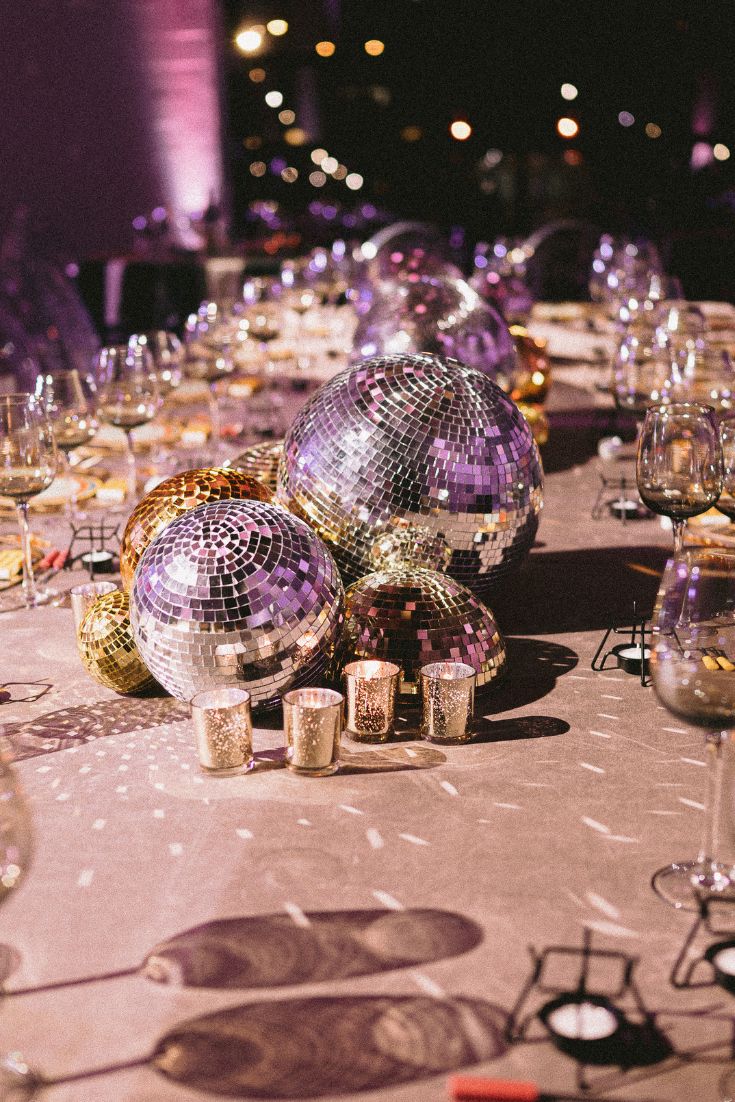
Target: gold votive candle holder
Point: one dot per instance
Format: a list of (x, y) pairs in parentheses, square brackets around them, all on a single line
[(370, 696), (224, 730), (312, 719), (447, 701), (82, 596)]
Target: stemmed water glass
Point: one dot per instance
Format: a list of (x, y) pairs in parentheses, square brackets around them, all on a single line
[(693, 673), (70, 411), (726, 501), (129, 396), (679, 463), (28, 461), (168, 354)]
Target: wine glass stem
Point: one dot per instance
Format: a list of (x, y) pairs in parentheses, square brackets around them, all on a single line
[(29, 582), (715, 859), (677, 525), (132, 467), (214, 416)]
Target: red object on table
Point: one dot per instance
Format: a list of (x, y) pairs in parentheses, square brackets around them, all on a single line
[(470, 1087)]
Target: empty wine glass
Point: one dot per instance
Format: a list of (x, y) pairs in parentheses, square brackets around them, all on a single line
[(167, 352), (129, 396), (726, 501), (703, 374), (28, 461), (641, 370), (71, 412), (679, 463), (693, 673)]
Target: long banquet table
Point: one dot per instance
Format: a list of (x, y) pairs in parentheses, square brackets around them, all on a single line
[(385, 913)]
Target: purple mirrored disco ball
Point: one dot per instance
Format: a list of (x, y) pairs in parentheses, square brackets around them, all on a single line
[(444, 317), (413, 616), (415, 459), (236, 593)]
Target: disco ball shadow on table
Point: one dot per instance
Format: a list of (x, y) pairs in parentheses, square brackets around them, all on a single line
[(412, 617), (173, 497), (415, 460), (425, 313), (236, 593)]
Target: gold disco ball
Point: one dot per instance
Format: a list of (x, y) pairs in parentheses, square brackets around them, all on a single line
[(107, 648), (413, 616), (260, 461), (175, 496)]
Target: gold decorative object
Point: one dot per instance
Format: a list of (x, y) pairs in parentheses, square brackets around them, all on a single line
[(172, 498), (107, 648), (370, 693), (447, 701), (223, 727), (312, 720), (260, 461), (412, 616)]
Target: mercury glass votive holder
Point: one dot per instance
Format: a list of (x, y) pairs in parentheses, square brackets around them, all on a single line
[(82, 596), (224, 730), (312, 720), (447, 701), (370, 696)]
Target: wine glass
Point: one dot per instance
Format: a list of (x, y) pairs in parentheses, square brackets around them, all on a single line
[(726, 501), (28, 461), (209, 356), (129, 396), (70, 411), (641, 370), (679, 462), (167, 352), (693, 673), (703, 374)]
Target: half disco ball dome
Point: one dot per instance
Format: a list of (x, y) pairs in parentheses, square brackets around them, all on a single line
[(415, 459)]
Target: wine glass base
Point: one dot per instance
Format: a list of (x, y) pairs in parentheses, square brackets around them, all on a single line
[(674, 883), (727, 1086), (40, 597)]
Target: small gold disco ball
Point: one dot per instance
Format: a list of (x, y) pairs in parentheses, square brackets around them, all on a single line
[(413, 616), (107, 648), (175, 496), (260, 461)]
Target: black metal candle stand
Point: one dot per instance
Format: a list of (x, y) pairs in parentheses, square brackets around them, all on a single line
[(98, 547), (619, 497), (631, 656)]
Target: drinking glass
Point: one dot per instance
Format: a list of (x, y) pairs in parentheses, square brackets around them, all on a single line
[(167, 352), (693, 673), (641, 370), (129, 396), (71, 412), (704, 374), (28, 461), (726, 501), (679, 463), (209, 356)]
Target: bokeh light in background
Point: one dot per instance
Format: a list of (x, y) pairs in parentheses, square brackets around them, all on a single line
[(567, 127), (460, 130)]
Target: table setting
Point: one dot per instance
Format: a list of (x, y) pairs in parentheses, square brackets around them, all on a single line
[(306, 742)]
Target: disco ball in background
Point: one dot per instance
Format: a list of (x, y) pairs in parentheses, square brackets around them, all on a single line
[(236, 593), (444, 317), (260, 461), (107, 648), (412, 616), (174, 496), (415, 459)]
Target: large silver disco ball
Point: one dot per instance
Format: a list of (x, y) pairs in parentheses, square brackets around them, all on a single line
[(415, 459), (423, 313), (236, 593)]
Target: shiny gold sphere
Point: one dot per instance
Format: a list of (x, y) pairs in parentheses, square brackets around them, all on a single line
[(411, 616), (260, 461), (107, 648), (175, 496)]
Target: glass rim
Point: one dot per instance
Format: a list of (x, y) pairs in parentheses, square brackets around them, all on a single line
[(243, 697), (700, 407), (453, 671), (298, 697), (390, 669)]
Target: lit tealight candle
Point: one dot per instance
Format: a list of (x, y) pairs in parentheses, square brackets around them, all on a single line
[(98, 562), (448, 701), (312, 719), (583, 1021), (224, 729), (724, 961), (370, 690)]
